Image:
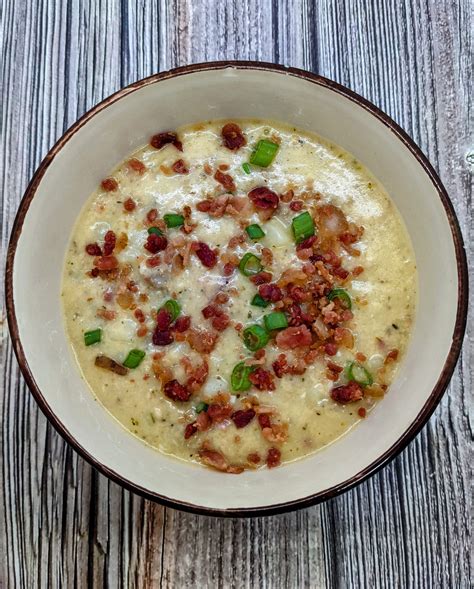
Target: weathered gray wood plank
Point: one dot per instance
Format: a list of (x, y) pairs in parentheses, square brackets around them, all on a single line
[(63, 524)]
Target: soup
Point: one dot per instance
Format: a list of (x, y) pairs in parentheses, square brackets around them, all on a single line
[(239, 293)]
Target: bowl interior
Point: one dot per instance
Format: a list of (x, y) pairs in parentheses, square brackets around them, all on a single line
[(104, 140)]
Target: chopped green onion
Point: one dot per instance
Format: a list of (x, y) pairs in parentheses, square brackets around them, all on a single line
[(155, 230), (276, 320), (172, 307), (255, 337), (200, 407), (239, 379), (302, 226), (134, 358), (359, 374), (92, 337), (255, 231), (246, 168), (342, 295), (264, 153), (250, 265), (258, 301), (173, 220)]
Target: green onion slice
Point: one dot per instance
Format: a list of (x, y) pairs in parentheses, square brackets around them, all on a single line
[(200, 407), (134, 358), (264, 153), (361, 375), (173, 220), (258, 301), (255, 337), (255, 231), (250, 265), (239, 379), (246, 168), (155, 230), (93, 337), (302, 226), (342, 295), (276, 320), (173, 308)]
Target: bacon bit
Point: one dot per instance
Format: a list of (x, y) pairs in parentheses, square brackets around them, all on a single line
[(132, 286), (215, 207), (152, 215), (153, 262), (287, 196), (226, 180), (292, 275), (129, 205), (136, 166), (180, 167), (190, 430), (228, 269), (203, 421), (125, 300), (305, 254), (296, 205), (330, 349), (331, 222), (279, 366), (163, 319), (161, 139), (221, 322), (109, 185), (207, 256), (334, 367), (182, 323), (273, 458), (122, 242), (261, 278), (270, 292), (347, 315), (207, 169), (264, 420), (109, 364), (93, 249), (267, 256), (155, 243), (254, 458), (162, 373), (236, 240), (294, 337), (357, 270), (307, 243), (277, 433), (348, 393), (142, 331), (391, 356), (176, 391), (344, 337), (262, 379), (218, 412), (106, 263), (242, 418), (211, 310), (162, 338), (109, 243), (259, 354), (224, 167), (197, 376), (221, 298), (106, 314), (324, 272), (214, 459), (108, 295), (263, 198), (362, 412), (232, 136), (204, 206), (341, 273), (201, 341), (311, 356), (360, 357)]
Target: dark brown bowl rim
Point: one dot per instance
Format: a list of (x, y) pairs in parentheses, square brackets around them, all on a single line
[(433, 399)]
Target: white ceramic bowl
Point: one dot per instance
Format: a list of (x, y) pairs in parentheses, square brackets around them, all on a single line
[(126, 120)]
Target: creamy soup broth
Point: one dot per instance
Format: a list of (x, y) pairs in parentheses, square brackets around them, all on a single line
[(303, 413)]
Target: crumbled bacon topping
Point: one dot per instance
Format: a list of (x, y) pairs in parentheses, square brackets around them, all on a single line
[(261, 278), (232, 136), (190, 430), (207, 256), (155, 243), (242, 418), (270, 292), (176, 391), (225, 180), (180, 167), (109, 185), (161, 139), (264, 198), (294, 337), (136, 165), (348, 393), (106, 263), (129, 205), (262, 379), (93, 249), (182, 323), (162, 337), (110, 240), (273, 457), (201, 341)]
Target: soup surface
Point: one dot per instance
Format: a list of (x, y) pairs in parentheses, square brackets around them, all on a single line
[(239, 314)]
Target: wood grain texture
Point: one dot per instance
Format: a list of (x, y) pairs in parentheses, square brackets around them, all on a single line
[(62, 524)]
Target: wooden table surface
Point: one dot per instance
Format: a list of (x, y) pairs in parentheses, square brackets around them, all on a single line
[(62, 524)]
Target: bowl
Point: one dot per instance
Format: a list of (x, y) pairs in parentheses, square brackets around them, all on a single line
[(106, 135)]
